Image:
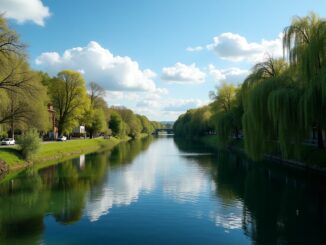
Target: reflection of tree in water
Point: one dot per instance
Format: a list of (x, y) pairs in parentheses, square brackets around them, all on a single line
[(124, 153), (190, 146), (279, 206), (68, 194), (60, 190), (22, 207)]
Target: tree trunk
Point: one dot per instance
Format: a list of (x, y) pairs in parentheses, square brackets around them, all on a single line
[(320, 140), (12, 129), (60, 129)]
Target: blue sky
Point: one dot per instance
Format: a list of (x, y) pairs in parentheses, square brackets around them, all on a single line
[(157, 57)]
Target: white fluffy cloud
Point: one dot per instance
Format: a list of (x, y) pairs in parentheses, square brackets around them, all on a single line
[(99, 64), (236, 48), (233, 74), (25, 10), (157, 105), (181, 73)]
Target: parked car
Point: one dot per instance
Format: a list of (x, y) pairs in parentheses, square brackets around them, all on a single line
[(8, 141), (62, 138)]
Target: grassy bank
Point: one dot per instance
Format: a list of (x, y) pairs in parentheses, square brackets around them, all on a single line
[(56, 151), (310, 156)]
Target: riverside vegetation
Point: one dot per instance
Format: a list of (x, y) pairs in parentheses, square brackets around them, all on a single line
[(26, 93), (280, 107)]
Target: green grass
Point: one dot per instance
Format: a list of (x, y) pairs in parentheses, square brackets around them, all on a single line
[(55, 148), (11, 156), (55, 151)]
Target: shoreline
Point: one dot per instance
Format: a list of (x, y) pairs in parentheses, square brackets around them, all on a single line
[(315, 168), (54, 152)]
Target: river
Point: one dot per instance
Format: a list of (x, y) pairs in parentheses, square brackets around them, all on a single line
[(163, 191)]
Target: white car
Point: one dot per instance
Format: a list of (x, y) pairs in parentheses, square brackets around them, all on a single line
[(62, 138), (8, 141)]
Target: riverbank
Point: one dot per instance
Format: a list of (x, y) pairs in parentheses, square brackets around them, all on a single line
[(49, 153), (312, 158)]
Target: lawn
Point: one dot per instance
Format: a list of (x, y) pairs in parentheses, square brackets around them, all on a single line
[(11, 156), (57, 150)]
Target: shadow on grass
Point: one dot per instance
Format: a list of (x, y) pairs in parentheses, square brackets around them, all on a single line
[(13, 152)]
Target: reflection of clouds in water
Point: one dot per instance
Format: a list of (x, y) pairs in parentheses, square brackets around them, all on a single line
[(228, 216), (124, 185), (230, 221), (180, 178), (186, 185)]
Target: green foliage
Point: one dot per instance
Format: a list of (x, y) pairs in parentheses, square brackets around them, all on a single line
[(305, 44), (96, 122), (9, 41), (23, 97), (279, 103), (116, 124), (29, 143), (68, 95), (124, 122), (131, 125), (146, 125), (194, 123), (224, 98), (227, 112), (270, 103)]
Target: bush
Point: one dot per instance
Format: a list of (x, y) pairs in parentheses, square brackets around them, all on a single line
[(29, 143)]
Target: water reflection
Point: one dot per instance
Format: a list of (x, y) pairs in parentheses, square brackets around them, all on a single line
[(170, 189), (62, 191), (276, 205)]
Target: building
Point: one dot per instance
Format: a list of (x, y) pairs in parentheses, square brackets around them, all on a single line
[(53, 133), (79, 131)]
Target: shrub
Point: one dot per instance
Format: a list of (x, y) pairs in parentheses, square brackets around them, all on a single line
[(29, 143)]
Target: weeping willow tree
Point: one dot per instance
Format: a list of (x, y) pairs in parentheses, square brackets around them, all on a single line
[(271, 119), (304, 44), (227, 112)]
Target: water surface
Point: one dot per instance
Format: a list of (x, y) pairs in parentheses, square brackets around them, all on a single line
[(163, 191)]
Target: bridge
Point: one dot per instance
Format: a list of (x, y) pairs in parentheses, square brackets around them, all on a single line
[(163, 130)]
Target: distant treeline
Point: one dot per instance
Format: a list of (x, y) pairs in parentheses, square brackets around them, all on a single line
[(279, 106), (25, 95)]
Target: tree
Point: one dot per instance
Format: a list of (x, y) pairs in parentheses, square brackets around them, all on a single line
[(29, 143), (133, 124), (95, 118), (97, 122), (69, 98), (96, 94), (194, 123), (304, 42), (9, 41), (224, 97), (24, 106), (272, 118), (227, 112), (22, 96), (116, 124), (14, 68), (146, 125)]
